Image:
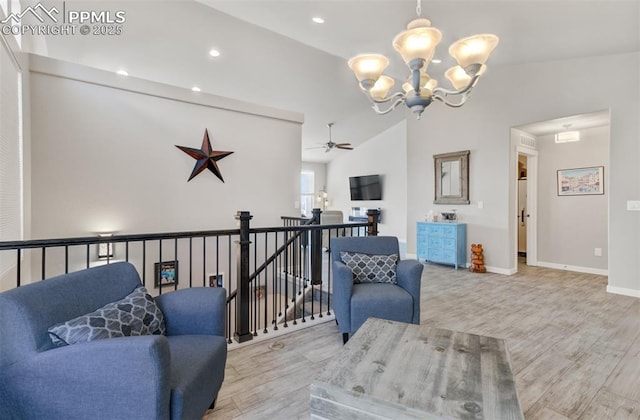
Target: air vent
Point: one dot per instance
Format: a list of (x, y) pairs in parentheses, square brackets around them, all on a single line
[(528, 142)]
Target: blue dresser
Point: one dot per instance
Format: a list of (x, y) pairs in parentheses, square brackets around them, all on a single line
[(444, 243)]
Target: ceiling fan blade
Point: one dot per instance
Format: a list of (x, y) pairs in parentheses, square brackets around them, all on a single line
[(317, 147), (344, 147), (343, 144)]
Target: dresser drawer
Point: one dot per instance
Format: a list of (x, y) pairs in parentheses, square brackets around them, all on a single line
[(449, 243), (449, 231), (435, 230), (435, 242), (435, 255), (449, 256)]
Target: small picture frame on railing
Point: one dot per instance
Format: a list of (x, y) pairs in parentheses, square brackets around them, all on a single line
[(166, 273)]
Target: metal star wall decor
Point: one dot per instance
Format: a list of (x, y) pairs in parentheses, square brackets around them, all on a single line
[(206, 157)]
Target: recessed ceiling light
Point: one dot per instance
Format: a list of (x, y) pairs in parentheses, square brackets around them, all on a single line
[(317, 19), (196, 89), (122, 73), (214, 53), (436, 61)]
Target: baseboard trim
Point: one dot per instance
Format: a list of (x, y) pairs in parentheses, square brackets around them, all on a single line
[(284, 331), (588, 270), (623, 291), (498, 270)]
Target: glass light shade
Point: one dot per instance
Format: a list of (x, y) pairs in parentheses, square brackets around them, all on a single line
[(458, 77), (473, 50), (418, 41), (426, 82), (368, 67), (382, 87)]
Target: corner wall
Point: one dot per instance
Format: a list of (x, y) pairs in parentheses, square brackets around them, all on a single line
[(384, 154), (571, 227), (519, 94), (104, 156)]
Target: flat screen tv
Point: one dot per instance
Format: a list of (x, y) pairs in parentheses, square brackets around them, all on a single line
[(365, 187)]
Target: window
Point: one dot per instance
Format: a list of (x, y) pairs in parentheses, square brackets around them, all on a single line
[(307, 192)]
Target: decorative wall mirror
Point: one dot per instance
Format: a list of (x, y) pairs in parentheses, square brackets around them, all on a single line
[(452, 178)]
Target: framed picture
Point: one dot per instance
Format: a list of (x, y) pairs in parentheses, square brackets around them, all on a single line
[(581, 181), (166, 273)]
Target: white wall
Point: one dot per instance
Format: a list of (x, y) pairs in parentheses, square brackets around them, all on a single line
[(514, 95), (570, 227), (384, 154), (104, 156)]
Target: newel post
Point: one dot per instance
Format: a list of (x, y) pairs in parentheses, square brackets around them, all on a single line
[(372, 219), (243, 333), (316, 249)]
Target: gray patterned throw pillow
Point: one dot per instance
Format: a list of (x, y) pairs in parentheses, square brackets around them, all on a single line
[(136, 314), (371, 268)]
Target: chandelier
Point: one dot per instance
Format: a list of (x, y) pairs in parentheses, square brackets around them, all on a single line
[(417, 45)]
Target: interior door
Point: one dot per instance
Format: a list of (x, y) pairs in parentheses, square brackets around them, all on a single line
[(522, 217)]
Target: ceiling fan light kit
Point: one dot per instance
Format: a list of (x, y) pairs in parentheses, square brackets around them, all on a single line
[(417, 45)]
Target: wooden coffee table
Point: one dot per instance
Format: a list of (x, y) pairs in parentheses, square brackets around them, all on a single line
[(392, 370)]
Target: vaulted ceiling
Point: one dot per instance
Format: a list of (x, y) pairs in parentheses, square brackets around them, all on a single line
[(273, 54)]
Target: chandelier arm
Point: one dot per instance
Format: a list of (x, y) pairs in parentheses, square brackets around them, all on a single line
[(400, 100), (443, 99), (393, 97), (446, 92)]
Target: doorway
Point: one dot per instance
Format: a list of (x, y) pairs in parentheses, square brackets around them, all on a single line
[(526, 182), (523, 214), (551, 229)]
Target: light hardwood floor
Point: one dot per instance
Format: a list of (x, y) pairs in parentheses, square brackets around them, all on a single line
[(575, 349)]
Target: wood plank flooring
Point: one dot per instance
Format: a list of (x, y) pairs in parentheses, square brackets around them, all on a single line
[(575, 349)]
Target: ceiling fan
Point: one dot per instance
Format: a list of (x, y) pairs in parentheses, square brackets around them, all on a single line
[(331, 145)]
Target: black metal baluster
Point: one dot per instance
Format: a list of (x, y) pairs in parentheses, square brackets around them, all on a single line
[(175, 258), (204, 261), (313, 287), (273, 296), (88, 256), (266, 278), (44, 258), (18, 268), (157, 277), (144, 263), (328, 291), (190, 262), (229, 321), (256, 302), (286, 280), (126, 251), (66, 259), (301, 277)]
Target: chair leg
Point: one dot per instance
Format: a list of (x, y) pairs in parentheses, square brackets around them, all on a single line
[(213, 403), (345, 338)]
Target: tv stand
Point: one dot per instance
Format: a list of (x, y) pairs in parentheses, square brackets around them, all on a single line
[(359, 214)]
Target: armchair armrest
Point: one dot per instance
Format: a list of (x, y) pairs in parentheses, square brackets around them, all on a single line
[(409, 274), (198, 311), (342, 291), (115, 378)]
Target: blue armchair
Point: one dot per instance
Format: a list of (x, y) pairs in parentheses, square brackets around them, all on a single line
[(353, 303), (172, 376)]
